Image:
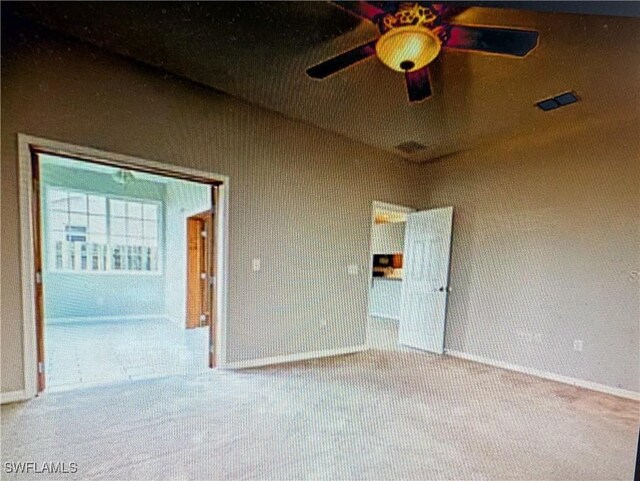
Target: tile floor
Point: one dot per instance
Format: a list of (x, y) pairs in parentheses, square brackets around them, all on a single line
[(83, 354)]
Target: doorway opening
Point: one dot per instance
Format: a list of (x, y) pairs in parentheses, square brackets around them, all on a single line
[(113, 264), (386, 273), (410, 261)]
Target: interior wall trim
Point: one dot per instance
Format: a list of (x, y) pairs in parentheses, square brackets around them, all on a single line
[(385, 317), (614, 391), (267, 361), (13, 396)]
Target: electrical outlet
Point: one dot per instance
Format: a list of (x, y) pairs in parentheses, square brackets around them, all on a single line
[(353, 269), (577, 345), (256, 265), (323, 323)]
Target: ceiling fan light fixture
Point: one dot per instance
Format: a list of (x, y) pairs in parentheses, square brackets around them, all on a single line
[(408, 48), (123, 176)]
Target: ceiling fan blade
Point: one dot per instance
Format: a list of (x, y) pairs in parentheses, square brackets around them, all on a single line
[(505, 41), (362, 9), (342, 61), (448, 11), (418, 84)]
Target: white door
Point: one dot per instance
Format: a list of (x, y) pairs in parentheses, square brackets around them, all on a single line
[(427, 249)]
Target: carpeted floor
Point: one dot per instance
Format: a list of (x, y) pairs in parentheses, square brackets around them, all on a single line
[(382, 414)]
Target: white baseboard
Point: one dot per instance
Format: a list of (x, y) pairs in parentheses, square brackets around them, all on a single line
[(70, 320), (548, 375), (13, 396), (384, 317), (267, 361)]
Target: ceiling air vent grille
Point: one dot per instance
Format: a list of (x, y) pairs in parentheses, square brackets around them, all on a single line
[(557, 101), (410, 147)]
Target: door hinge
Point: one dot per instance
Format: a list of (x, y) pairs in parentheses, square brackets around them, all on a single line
[(40, 367), (212, 281), (38, 277)]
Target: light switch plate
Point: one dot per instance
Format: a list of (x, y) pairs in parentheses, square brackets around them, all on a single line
[(256, 265), (353, 269)]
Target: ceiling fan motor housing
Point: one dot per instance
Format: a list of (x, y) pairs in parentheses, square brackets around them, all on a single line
[(409, 13)]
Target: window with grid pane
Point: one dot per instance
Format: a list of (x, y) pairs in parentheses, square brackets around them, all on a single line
[(133, 235), (96, 233)]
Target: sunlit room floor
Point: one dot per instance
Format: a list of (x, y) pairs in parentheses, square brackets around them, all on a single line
[(81, 354)]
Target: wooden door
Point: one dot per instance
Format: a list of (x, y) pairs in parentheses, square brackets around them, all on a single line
[(194, 269), (199, 270)]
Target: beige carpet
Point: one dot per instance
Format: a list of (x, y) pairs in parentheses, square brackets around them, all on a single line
[(382, 414)]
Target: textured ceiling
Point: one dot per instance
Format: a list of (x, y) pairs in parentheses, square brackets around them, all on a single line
[(259, 51)]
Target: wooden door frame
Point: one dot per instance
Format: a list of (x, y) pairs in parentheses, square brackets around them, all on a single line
[(38, 266), (31, 241), (214, 264)]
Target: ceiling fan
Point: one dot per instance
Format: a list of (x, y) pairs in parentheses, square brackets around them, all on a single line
[(412, 35)]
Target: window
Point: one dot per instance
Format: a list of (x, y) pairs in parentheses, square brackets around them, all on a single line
[(133, 235), (99, 233)]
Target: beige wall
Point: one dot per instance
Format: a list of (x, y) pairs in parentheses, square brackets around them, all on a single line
[(546, 250), (300, 197)]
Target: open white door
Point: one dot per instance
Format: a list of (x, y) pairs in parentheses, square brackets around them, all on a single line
[(427, 249)]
